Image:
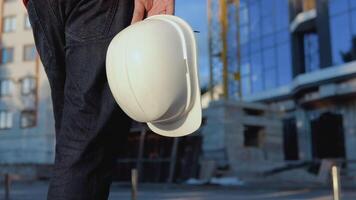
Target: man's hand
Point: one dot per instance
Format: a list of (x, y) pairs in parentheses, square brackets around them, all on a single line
[(146, 8)]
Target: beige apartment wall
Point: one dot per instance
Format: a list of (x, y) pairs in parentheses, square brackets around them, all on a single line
[(18, 39), (18, 145), (19, 68)]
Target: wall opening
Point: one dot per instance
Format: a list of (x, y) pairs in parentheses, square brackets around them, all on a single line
[(328, 136), (253, 136), (290, 139)]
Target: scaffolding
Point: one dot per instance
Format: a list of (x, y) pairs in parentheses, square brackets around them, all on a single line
[(224, 55)]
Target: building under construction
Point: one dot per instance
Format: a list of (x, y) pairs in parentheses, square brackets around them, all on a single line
[(296, 57)]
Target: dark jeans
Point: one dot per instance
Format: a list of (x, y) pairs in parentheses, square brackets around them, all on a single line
[(72, 37)]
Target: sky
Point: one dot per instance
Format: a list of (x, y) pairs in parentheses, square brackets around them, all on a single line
[(194, 12)]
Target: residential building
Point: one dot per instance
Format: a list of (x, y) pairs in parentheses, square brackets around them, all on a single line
[(26, 119)]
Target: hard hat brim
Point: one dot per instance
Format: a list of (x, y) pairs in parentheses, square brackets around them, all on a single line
[(191, 121), (185, 126)]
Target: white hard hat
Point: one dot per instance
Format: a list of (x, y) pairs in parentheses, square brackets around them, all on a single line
[(152, 72)]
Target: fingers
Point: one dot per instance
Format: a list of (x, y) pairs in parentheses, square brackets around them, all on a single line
[(162, 7), (152, 7), (170, 7), (139, 12)]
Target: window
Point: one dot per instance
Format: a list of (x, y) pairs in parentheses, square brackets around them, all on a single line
[(28, 85), (246, 85), (268, 41), (27, 22), (284, 64), (338, 6), (265, 45), (257, 82), (5, 87), (283, 36), (243, 15), (244, 34), (7, 55), (290, 139), (269, 58), (255, 26), (281, 14), (270, 78), (342, 29), (253, 136), (9, 24), (29, 53), (255, 45), (340, 37), (311, 52), (5, 119), (28, 119), (267, 24)]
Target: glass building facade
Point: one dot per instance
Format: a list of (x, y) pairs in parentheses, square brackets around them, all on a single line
[(342, 17), (265, 45), (272, 53)]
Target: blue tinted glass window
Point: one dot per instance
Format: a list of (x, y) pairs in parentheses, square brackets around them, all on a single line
[(7, 55), (311, 52), (267, 25), (269, 59), (244, 51), (337, 6), (340, 37), (243, 4), (244, 35), (255, 21), (255, 45), (353, 18), (246, 85), (233, 89), (268, 41), (270, 78), (284, 64), (353, 3), (281, 14), (4, 56), (243, 16), (283, 36), (257, 82), (245, 67), (267, 8), (256, 62)]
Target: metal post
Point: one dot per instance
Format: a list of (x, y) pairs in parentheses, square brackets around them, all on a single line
[(134, 183), (141, 149), (173, 160), (237, 16), (224, 24), (335, 174)]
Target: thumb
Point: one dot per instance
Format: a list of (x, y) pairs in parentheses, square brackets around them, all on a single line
[(139, 12)]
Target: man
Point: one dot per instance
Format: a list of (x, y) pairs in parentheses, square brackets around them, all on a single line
[(72, 37)]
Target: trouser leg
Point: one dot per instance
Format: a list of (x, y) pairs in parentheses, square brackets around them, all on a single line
[(72, 38)]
